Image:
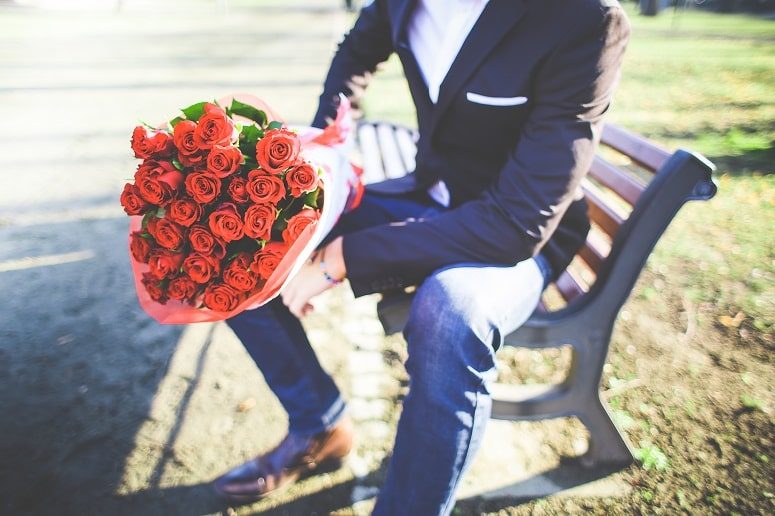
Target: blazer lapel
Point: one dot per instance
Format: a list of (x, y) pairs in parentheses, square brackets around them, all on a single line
[(401, 18), (498, 17)]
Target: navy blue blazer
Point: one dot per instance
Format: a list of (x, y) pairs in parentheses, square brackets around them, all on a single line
[(513, 170)]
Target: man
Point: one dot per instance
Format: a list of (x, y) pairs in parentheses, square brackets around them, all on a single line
[(510, 95)]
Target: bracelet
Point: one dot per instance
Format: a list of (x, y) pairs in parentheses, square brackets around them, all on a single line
[(329, 278)]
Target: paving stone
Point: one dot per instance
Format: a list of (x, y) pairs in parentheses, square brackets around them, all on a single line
[(361, 493), (362, 410), (363, 508), (358, 465), (375, 430), (364, 362), (372, 386), (368, 342)]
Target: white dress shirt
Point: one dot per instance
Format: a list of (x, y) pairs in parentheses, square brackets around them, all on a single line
[(436, 31)]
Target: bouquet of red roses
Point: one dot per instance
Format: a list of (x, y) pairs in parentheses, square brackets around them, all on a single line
[(227, 203)]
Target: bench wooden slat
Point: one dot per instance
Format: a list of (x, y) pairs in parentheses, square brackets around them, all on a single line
[(370, 150), (637, 148), (592, 255), (600, 211), (569, 286), (406, 143), (391, 155), (616, 179)]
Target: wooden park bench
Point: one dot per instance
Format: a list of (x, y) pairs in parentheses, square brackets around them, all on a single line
[(634, 189)]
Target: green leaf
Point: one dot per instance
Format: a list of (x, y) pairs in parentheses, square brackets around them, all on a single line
[(248, 111), (160, 212), (195, 111), (251, 134), (146, 218), (280, 225), (311, 199), (175, 121), (275, 125), (177, 164)]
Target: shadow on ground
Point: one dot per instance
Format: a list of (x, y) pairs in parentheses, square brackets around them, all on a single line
[(80, 366)]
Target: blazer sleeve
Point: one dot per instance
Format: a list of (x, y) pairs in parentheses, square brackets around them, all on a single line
[(367, 44), (513, 218)]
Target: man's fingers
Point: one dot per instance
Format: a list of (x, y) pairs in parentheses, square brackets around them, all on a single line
[(296, 309)]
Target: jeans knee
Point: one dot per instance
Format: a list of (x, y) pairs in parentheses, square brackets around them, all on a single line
[(442, 309), (450, 337)]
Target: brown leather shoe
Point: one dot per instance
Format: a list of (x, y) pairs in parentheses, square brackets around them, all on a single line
[(294, 457)]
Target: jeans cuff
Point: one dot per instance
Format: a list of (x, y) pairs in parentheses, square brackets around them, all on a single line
[(325, 421), (545, 267)]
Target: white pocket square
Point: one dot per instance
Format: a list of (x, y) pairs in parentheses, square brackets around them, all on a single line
[(495, 101)]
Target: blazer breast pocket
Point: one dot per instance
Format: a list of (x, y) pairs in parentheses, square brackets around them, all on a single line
[(486, 100)]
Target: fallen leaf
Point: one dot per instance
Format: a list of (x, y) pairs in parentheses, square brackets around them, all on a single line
[(732, 322)]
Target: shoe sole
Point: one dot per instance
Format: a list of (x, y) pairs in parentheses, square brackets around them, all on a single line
[(327, 466)]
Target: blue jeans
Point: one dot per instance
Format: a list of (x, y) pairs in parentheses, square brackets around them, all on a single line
[(458, 319)]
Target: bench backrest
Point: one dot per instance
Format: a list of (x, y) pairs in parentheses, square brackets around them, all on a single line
[(633, 189)]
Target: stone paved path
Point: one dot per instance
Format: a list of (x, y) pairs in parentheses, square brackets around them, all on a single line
[(104, 411)]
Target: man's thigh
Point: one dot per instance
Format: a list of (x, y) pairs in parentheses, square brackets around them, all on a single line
[(379, 209), (495, 297)]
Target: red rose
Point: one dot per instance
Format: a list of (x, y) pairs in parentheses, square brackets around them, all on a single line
[(258, 221), (226, 223), (189, 152), (153, 168), (184, 211), (238, 274), (213, 128), (204, 187), (202, 241), (221, 298), (132, 201), (140, 247), (265, 188), (298, 223), (154, 287), (151, 144), (181, 288), (164, 263), (266, 260), (224, 160), (201, 268), (277, 150), (183, 135), (157, 181), (302, 179), (237, 190), (166, 233)]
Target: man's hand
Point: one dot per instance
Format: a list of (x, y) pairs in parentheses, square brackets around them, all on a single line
[(311, 280)]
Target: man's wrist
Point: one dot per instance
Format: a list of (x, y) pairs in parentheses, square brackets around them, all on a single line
[(334, 259)]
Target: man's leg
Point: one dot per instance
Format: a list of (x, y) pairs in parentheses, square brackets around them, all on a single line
[(278, 344), (458, 319)]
